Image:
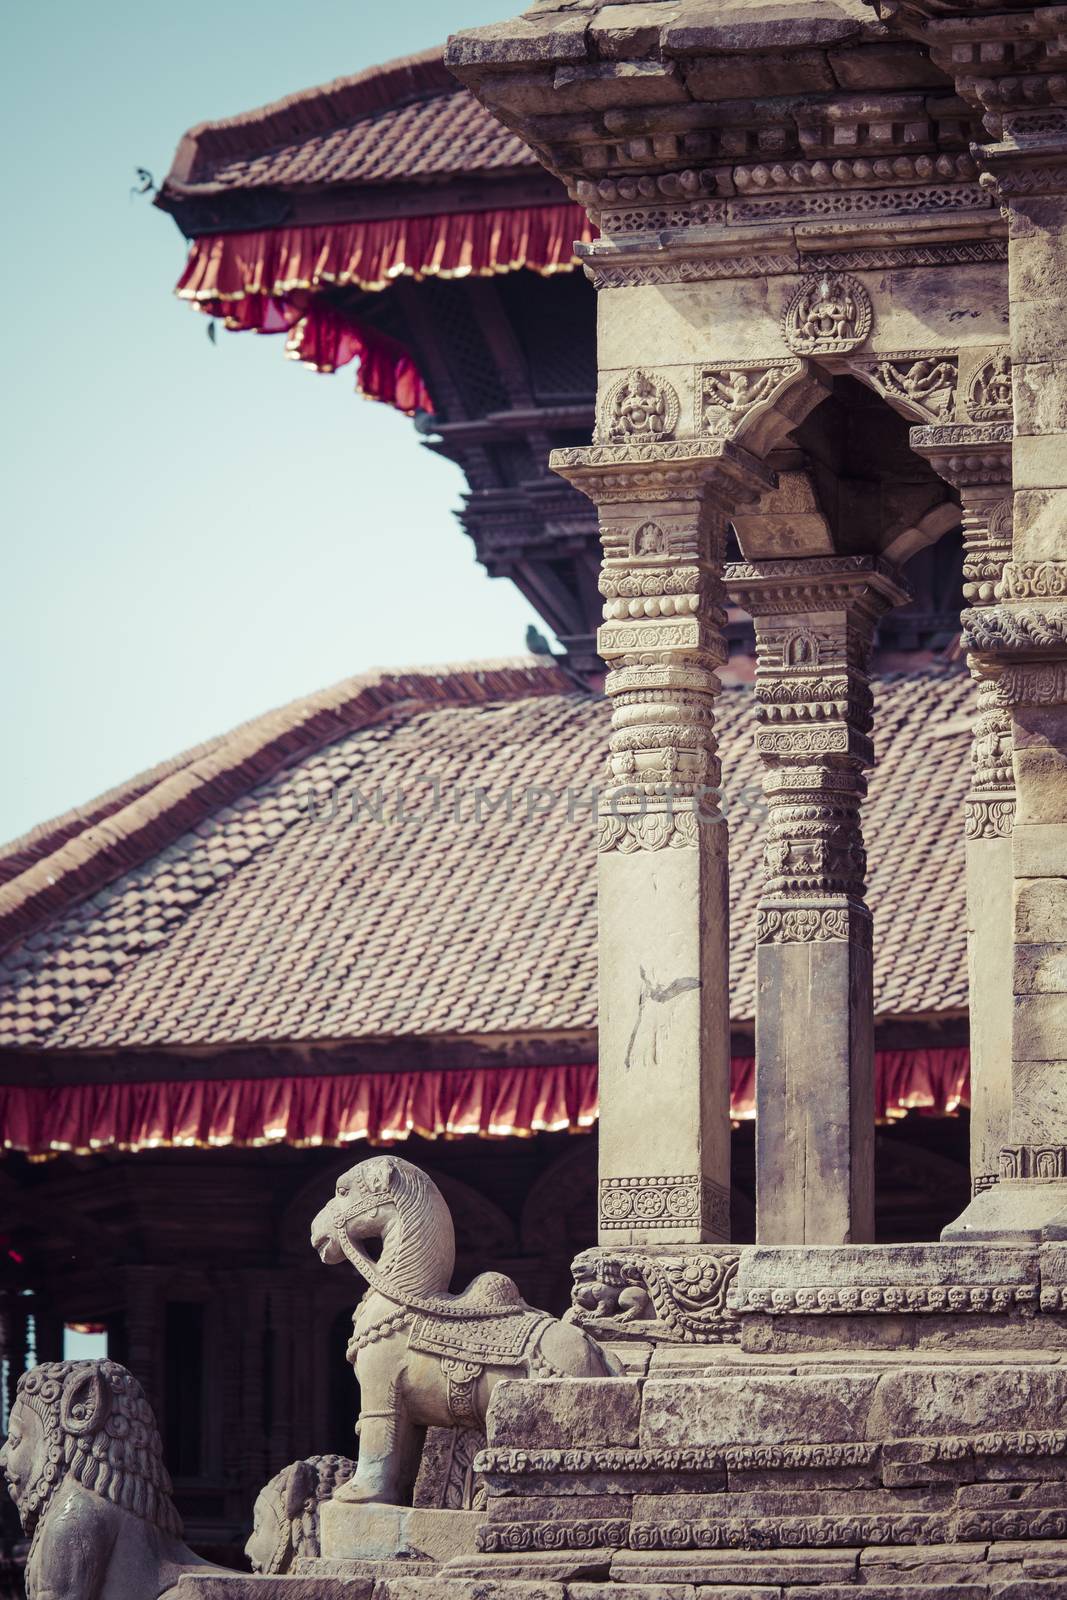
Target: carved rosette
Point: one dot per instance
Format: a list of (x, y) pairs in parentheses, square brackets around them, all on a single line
[(815, 621)]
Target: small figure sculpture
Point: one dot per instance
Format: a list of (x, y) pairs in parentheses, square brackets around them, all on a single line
[(285, 1522), (641, 407), (990, 393), (84, 1466), (829, 313), (424, 1357)]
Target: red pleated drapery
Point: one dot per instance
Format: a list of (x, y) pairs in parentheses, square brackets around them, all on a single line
[(273, 280), (383, 1107)]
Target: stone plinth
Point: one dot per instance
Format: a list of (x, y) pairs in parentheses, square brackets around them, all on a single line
[(370, 1532), (239, 1586)]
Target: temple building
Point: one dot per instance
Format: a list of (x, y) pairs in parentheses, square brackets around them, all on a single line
[(370, 917)]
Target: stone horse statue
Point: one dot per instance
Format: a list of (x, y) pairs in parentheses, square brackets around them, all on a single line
[(84, 1466), (424, 1357)]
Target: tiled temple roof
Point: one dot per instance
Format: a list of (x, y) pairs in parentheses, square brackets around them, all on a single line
[(406, 121), (210, 910)]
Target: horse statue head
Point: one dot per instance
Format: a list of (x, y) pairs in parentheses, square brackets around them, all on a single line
[(389, 1199), (285, 1522)]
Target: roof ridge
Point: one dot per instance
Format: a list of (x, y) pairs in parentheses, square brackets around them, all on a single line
[(317, 110), (217, 772)]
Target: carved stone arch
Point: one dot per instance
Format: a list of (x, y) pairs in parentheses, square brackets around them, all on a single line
[(908, 538), (920, 385), (758, 403)]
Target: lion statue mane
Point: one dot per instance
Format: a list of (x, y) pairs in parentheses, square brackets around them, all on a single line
[(84, 1464), (286, 1517)]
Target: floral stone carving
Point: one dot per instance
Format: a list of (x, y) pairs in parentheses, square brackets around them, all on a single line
[(830, 313), (675, 1298), (640, 408), (84, 1466), (285, 1521), (424, 1357)]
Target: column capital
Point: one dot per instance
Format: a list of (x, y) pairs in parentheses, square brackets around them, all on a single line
[(672, 469), (781, 586), (968, 454)]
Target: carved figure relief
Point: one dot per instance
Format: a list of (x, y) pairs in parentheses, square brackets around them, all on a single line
[(649, 540), (728, 394), (677, 1298), (925, 381), (285, 1520), (640, 408), (989, 391), (425, 1357), (830, 313), (84, 1466)]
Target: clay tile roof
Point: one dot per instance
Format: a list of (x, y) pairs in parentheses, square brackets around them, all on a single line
[(406, 121), (213, 910)]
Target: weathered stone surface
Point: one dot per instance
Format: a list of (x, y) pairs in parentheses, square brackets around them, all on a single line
[(760, 1409), (929, 1402), (562, 1566), (239, 1586), (722, 1567), (371, 1531), (561, 1414), (446, 1587)]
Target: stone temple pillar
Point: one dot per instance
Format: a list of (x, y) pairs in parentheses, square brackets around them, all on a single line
[(815, 621), (976, 460), (663, 872), (1020, 641)]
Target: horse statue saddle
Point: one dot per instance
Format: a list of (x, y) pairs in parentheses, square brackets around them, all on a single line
[(489, 1323)]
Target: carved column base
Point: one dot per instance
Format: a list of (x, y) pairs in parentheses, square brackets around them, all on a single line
[(1014, 1211), (815, 1078)]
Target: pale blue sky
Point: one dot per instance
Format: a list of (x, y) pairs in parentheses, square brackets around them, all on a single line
[(194, 533)]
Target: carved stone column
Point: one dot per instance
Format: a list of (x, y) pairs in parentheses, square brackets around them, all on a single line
[(663, 872), (976, 459), (815, 621), (1008, 64)]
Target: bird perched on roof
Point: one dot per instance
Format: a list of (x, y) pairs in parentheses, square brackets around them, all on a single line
[(536, 642)]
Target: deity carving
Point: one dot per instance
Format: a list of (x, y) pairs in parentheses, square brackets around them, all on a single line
[(928, 382), (84, 1466), (728, 394), (640, 408), (425, 1357), (830, 313), (285, 1521), (989, 394)]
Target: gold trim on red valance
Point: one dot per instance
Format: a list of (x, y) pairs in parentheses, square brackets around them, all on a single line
[(271, 280), (385, 1107)]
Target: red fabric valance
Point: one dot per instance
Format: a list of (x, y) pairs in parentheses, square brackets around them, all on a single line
[(271, 280), (490, 1102)]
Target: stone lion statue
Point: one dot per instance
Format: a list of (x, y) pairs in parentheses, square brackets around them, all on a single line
[(84, 1466), (285, 1522), (424, 1357)]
